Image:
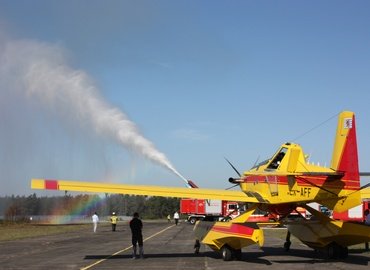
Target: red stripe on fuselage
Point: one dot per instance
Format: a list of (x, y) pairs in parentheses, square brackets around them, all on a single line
[(234, 229), (304, 181)]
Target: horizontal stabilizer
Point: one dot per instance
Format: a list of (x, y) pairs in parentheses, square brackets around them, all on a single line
[(284, 173)]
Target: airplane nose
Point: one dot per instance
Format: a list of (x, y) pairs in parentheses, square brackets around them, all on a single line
[(234, 180)]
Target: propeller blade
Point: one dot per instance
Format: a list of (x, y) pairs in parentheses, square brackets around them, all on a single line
[(232, 166), (232, 186)]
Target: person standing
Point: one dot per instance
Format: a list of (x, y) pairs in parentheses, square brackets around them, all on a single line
[(367, 222), (136, 227), (367, 217), (176, 217), (95, 220), (168, 218), (113, 221)]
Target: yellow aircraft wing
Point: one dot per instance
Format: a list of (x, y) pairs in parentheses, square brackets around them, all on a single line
[(196, 193)]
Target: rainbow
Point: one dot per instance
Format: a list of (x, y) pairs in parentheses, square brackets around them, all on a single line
[(77, 209)]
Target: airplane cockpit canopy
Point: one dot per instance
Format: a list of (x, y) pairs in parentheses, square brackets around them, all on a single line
[(274, 164)]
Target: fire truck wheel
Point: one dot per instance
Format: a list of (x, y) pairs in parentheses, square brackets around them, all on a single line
[(227, 219), (192, 221)]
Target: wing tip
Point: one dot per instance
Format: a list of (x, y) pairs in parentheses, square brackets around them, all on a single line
[(44, 184)]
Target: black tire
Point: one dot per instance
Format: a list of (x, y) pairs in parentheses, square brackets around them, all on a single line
[(335, 251), (226, 219), (331, 251), (192, 221), (343, 253), (238, 254), (226, 253)]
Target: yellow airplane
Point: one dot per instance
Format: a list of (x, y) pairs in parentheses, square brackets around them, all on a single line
[(278, 185)]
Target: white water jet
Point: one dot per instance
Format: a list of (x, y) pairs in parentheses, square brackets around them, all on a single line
[(39, 71)]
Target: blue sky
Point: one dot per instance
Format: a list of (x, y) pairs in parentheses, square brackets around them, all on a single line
[(202, 80)]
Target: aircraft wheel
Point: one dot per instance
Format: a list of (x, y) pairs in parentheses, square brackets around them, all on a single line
[(330, 251), (227, 253), (335, 251), (238, 254), (343, 253)]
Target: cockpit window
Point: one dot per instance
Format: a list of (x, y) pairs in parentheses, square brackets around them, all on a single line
[(277, 159)]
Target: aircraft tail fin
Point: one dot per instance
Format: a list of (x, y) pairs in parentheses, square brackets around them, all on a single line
[(345, 156)]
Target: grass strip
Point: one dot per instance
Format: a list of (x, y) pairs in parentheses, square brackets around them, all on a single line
[(15, 231)]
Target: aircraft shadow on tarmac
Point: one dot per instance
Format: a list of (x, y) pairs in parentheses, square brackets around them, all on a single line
[(303, 256), (154, 255), (295, 256)]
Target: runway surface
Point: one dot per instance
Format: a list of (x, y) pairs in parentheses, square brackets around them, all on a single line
[(166, 247)]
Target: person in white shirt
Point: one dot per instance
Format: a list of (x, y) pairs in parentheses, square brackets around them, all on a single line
[(176, 217), (95, 220)]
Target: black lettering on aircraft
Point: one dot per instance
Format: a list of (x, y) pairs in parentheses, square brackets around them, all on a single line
[(293, 192), (305, 191)]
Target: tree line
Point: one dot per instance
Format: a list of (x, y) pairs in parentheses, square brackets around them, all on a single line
[(16, 208)]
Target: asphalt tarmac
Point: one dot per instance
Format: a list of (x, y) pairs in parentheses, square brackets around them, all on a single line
[(166, 247)]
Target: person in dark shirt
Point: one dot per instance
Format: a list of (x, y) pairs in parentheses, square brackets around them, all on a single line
[(136, 227)]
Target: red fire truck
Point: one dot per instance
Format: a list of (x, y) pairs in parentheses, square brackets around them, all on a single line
[(355, 213), (198, 209)]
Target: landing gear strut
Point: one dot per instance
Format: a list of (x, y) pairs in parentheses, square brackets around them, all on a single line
[(196, 246), (287, 242)]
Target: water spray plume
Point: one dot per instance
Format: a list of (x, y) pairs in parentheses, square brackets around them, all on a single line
[(179, 175), (39, 71)]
